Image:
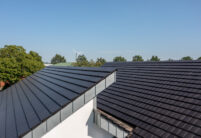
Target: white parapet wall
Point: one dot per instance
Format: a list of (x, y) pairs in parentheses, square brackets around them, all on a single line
[(79, 125)]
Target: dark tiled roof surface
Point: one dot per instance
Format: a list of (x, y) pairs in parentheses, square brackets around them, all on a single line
[(160, 99), (27, 103)]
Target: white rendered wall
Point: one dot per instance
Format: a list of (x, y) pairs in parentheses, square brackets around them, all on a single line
[(79, 125)]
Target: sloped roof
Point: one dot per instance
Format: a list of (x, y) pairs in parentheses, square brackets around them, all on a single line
[(26, 104), (159, 99)]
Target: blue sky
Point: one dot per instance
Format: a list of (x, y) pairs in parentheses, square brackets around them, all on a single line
[(103, 28)]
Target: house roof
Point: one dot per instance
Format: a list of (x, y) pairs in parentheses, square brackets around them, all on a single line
[(159, 99), (31, 101)]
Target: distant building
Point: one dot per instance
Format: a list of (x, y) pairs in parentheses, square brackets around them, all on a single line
[(64, 64), (47, 64)]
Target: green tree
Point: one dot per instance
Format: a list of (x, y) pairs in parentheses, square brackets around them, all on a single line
[(58, 59), (36, 56), (138, 58), (81, 61), (199, 58), (92, 63), (119, 59), (100, 61), (187, 58), (10, 70), (155, 58), (15, 63)]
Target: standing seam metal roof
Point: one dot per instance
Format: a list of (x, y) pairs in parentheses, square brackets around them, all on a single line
[(28, 103), (159, 99)]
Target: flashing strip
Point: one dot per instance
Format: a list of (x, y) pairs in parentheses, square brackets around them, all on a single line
[(112, 125)]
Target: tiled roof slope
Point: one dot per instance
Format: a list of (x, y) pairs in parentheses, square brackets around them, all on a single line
[(159, 99), (29, 102)]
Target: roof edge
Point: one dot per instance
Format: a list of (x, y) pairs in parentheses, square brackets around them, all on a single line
[(67, 110)]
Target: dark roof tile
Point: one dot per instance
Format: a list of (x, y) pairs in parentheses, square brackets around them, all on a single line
[(164, 97)]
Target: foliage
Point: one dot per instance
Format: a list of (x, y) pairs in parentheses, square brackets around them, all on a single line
[(81, 61), (100, 61), (91, 63), (15, 63), (119, 59), (9, 70), (199, 58), (138, 58), (155, 58), (187, 58), (58, 59), (36, 56)]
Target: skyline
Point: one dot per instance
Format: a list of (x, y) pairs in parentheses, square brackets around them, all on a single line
[(168, 29)]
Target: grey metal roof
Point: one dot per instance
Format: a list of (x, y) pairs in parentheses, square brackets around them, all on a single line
[(31, 101), (159, 99)]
